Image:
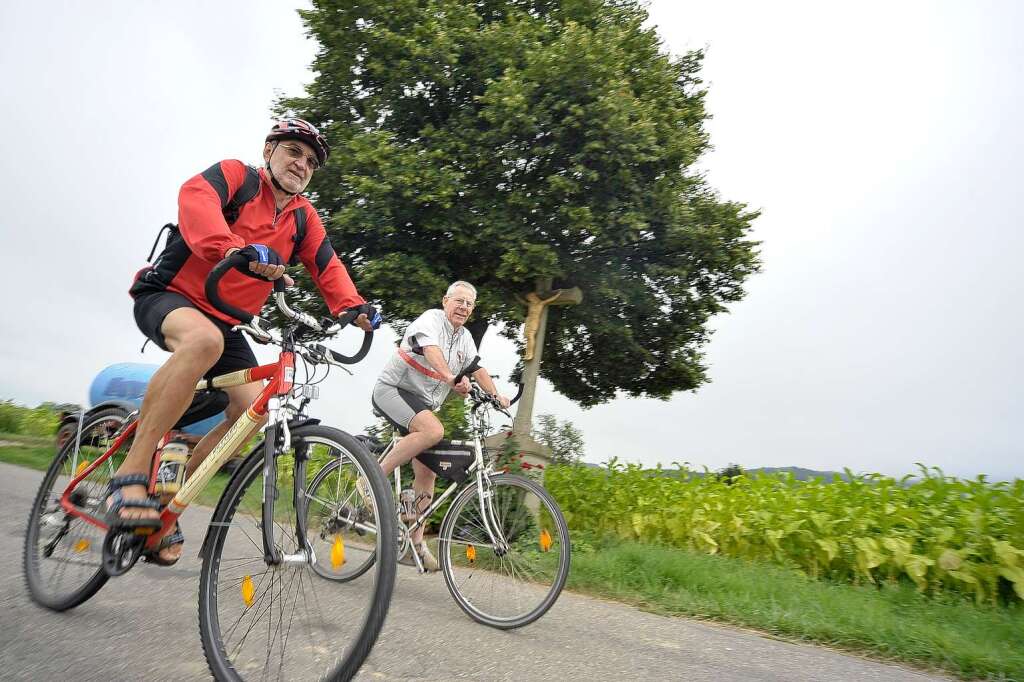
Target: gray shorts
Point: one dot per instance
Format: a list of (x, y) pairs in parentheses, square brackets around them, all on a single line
[(397, 405)]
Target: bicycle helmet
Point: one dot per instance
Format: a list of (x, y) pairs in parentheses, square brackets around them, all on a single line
[(297, 129)]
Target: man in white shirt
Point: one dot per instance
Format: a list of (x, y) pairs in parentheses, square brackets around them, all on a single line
[(415, 382)]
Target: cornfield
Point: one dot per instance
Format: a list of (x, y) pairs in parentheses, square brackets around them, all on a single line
[(944, 535)]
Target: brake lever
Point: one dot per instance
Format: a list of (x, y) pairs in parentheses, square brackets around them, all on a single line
[(255, 331), (325, 357)]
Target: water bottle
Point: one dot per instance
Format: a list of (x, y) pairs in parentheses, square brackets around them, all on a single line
[(171, 474), (407, 500)]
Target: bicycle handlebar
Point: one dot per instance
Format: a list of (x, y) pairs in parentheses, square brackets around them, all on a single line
[(473, 366), (246, 318), (213, 280)]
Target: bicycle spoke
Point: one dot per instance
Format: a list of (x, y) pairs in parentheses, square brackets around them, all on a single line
[(511, 584), (294, 625)]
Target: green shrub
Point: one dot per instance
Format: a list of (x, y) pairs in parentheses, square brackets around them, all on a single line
[(39, 421)]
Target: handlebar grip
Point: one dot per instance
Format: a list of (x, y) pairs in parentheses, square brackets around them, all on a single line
[(213, 280), (473, 366), (360, 354)]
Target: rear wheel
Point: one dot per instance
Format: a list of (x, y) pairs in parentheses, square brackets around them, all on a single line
[(512, 582), (285, 622), (63, 553)]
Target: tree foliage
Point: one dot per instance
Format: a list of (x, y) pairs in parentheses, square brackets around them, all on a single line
[(561, 437), (729, 473), (505, 141)]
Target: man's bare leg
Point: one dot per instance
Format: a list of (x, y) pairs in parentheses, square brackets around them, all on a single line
[(425, 431), (423, 484), (240, 398), (196, 344)]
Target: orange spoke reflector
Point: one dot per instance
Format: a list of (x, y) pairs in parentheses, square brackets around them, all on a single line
[(81, 545), (247, 590), (82, 466), (337, 553), (545, 540), (471, 553)]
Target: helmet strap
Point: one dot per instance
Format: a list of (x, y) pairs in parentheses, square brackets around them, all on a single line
[(270, 172)]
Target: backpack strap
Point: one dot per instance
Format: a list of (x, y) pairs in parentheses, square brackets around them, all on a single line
[(300, 234), (245, 193), (170, 227), (249, 188)]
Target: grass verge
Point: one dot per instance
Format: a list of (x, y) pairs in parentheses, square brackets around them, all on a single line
[(37, 453), (892, 622)]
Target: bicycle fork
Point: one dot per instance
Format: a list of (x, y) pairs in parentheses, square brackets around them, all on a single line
[(486, 495), (278, 440)]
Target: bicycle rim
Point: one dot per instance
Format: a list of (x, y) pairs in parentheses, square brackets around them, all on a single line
[(286, 622), (63, 553), (511, 586), (337, 513)]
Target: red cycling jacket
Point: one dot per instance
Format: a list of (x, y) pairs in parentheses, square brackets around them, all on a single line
[(204, 236)]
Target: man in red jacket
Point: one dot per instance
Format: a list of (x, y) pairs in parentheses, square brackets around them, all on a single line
[(171, 307)]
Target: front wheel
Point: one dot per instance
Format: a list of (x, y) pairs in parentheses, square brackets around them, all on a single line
[(505, 553), (260, 621)]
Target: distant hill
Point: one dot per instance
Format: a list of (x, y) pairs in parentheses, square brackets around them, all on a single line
[(799, 473)]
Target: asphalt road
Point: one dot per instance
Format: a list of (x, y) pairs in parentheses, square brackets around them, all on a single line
[(144, 626)]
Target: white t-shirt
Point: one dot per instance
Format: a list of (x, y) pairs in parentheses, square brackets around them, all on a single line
[(432, 328)]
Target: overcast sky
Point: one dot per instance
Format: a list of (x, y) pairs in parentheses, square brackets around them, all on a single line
[(882, 142)]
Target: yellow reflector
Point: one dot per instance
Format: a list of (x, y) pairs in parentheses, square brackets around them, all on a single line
[(337, 553), (82, 466), (545, 540), (471, 553), (81, 545), (247, 590)]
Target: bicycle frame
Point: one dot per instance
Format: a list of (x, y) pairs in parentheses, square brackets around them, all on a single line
[(280, 376), (482, 475)]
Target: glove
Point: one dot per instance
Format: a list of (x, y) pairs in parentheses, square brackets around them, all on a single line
[(371, 314), (258, 253)]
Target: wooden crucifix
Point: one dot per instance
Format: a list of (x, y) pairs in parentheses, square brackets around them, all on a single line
[(535, 325)]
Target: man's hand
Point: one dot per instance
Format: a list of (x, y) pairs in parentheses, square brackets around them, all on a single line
[(368, 318), (363, 322), (462, 388), (264, 262), (502, 400)]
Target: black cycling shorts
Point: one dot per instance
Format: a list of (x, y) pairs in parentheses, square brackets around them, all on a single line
[(150, 311)]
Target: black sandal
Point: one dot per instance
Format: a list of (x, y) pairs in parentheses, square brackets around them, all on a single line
[(175, 537), (115, 521)]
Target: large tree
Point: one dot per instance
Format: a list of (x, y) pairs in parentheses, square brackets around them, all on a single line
[(502, 141)]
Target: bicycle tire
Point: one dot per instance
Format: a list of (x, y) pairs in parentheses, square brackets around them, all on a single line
[(96, 433), (334, 511), (218, 636), (460, 529)]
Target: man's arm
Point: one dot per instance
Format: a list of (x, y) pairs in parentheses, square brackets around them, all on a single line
[(485, 381), (436, 359), (201, 204), (329, 275)]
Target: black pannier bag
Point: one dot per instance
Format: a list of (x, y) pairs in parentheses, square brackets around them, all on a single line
[(449, 459)]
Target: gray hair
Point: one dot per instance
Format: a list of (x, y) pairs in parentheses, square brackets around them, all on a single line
[(455, 285)]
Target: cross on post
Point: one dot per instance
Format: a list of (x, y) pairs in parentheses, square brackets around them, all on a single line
[(537, 303)]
